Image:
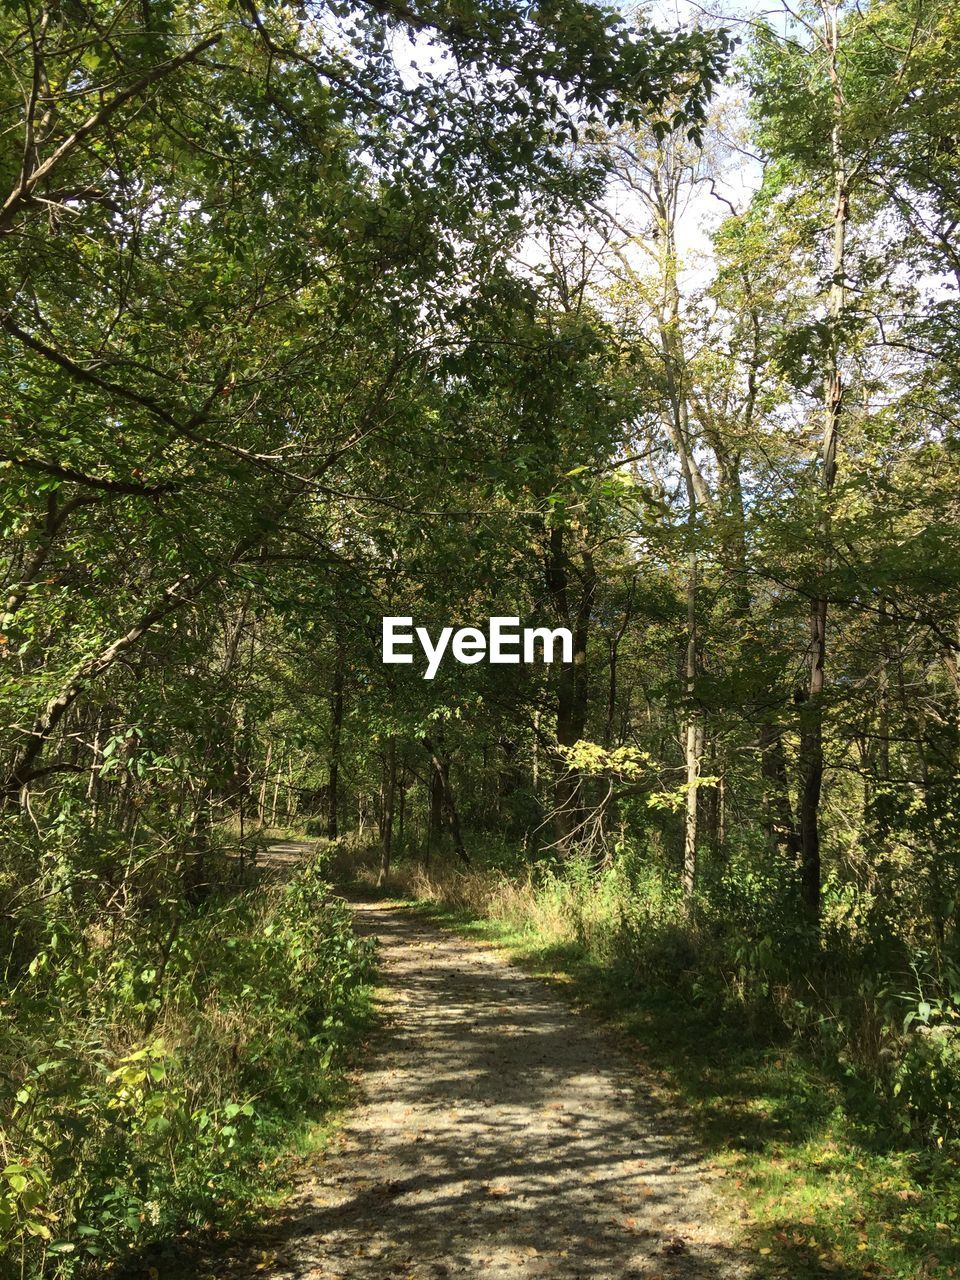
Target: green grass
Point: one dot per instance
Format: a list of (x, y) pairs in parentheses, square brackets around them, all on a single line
[(817, 1189)]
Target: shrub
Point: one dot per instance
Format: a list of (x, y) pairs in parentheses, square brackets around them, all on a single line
[(154, 1068)]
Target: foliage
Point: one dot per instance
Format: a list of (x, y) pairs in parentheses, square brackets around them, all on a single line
[(154, 1057)]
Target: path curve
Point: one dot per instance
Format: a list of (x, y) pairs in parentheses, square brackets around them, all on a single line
[(500, 1135)]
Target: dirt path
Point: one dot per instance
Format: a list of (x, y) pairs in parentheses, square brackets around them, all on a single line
[(501, 1135)]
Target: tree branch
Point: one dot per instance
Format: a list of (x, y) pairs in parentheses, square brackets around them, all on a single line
[(30, 179)]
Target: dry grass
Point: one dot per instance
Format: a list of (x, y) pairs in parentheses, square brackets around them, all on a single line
[(556, 910)]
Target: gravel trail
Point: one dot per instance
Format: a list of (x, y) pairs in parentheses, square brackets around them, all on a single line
[(500, 1135)]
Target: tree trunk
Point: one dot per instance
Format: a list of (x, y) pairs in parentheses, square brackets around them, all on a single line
[(779, 822), (388, 792), (811, 711), (572, 684), (676, 420), (614, 648), (402, 804), (442, 770), (693, 736), (276, 792), (262, 797), (435, 823), (336, 727)]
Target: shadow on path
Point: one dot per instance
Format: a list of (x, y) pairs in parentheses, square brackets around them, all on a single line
[(501, 1135)]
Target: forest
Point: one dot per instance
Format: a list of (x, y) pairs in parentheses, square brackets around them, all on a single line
[(639, 322)]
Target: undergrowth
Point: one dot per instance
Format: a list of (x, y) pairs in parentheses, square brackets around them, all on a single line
[(158, 1058)]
